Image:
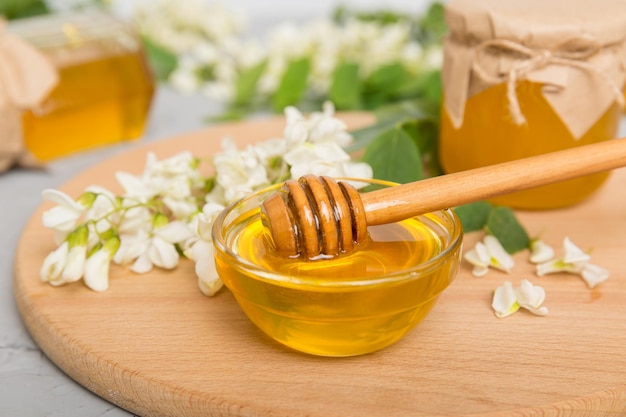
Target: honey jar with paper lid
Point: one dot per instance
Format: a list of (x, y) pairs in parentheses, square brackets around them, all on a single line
[(525, 78), (103, 88)]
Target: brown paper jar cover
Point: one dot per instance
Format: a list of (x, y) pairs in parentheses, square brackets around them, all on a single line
[(104, 87), (575, 48)]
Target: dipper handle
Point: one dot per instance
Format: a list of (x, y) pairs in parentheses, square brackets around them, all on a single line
[(316, 216)]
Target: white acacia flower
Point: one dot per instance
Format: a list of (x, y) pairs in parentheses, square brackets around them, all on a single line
[(479, 257), (489, 253), (75, 266), (171, 177), (154, 248), (135, 186), (594, 275), (182, 26), (185, 79), (98, 264), (209, 281), (64, 216), (325, 158), (135, 219), (540, 251), (54, 264), (238, 172), (201, 250), (531, 297), (508, 300), (67, 263), (318, 128), (574, 261), (104, 209), (504, 301), (125, 229)]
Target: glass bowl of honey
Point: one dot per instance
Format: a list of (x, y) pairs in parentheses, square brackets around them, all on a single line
[(351, 304)]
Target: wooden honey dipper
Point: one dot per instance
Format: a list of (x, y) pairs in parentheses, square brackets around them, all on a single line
[(315, 216)]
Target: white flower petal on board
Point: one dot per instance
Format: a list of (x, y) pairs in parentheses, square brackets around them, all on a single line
[(500, 258), (540, 251), (504, 302), (479, 258), (573, 254), (594, 275), (531, 297)]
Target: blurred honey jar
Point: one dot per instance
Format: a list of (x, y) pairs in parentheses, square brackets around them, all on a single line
[(523, 78), (104, 87)]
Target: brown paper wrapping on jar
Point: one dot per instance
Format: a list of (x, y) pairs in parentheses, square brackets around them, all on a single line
[(26, 78), (575, 48)]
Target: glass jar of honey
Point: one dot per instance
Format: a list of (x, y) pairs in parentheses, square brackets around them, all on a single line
[(104, 87), (525, 78)]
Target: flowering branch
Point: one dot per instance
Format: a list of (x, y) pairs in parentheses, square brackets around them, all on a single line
[(169, 209)]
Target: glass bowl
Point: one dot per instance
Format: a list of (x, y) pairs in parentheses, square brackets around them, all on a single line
[(352, 304)]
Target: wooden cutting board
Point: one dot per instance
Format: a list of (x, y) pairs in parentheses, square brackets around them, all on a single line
[(154, 345)]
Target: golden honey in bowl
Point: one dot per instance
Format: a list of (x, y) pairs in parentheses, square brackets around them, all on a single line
[(339, 306)]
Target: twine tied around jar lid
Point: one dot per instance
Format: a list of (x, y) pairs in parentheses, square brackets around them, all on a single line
[(536, 59), (26, 78), (574, 49)]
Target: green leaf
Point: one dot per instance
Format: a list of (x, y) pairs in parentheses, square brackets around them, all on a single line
[(18, 9), (162, 61), (394, 157), (412, 108), (388, 116), (247, 82), (503, 224), (345, 89), (432, 23), (292, 85), (473, 216), (365, 136), (425, 133), (387, 78)]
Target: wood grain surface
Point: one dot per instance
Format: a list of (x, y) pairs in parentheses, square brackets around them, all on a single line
[(154, 345)]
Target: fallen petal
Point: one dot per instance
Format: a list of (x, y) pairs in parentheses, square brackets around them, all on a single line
[(500, 258), (479, 256), (540, 252), (573, 254), (504, 301), (594, 275), (530, 296)]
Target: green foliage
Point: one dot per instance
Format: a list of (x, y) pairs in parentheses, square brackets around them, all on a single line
[(162, 61), (498, 221), (432, 24), (394, 156), (247, 83), (17, 9), (473, 216), (503, 224), (415, 120), (293, 84), (345, 90)]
